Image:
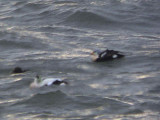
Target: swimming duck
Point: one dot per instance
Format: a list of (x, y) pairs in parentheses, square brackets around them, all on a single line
[(101, 56), (39, 82), (18, 70)]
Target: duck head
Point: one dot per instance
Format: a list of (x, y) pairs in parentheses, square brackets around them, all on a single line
[(38, 79), (95, 55), (37, 82)]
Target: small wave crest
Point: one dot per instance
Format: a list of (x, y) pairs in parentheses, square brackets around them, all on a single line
[(43, 99), (87, 19)]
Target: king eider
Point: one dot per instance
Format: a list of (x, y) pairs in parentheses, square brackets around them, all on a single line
[(18, 70), (101, 56), (39, 82)]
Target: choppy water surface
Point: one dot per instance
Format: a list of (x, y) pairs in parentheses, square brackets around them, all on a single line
[(53, 38)]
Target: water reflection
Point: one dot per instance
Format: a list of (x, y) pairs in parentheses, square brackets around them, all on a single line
[(98, 86)]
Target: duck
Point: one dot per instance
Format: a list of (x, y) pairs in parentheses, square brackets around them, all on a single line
[(18, 70), (39, 82), (106, 55)]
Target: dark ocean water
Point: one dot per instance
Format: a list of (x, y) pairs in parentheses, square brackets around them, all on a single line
[(53, 38)]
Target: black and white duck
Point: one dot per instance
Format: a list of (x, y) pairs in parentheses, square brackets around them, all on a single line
[(101, 56), (39, 82)]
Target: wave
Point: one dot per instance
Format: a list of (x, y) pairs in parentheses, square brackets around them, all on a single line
[(103, 18), (19, 37), (43, 99), (155, 90), (125, 13), (153, 106), (21, 7), (88, 19), (14, 45), (58, 99)]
